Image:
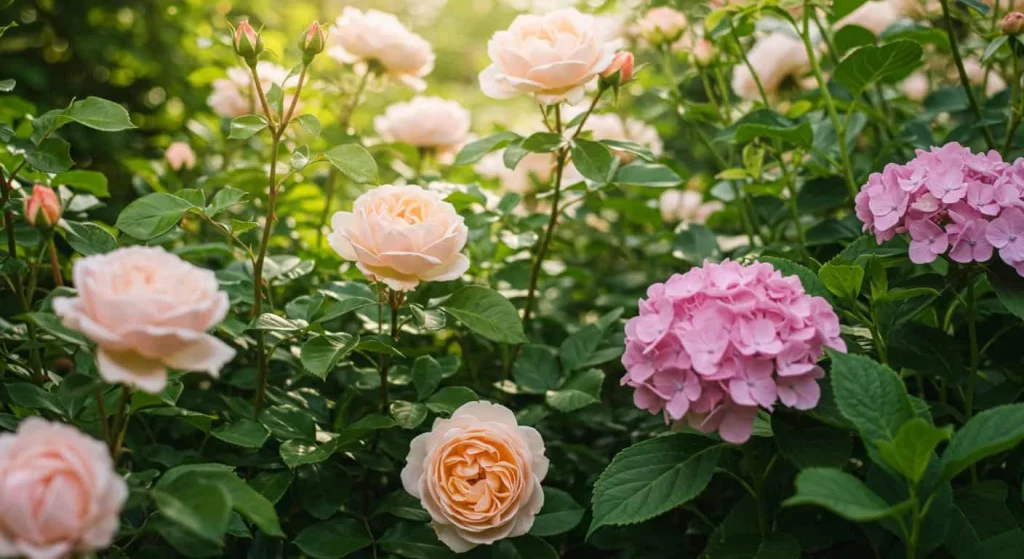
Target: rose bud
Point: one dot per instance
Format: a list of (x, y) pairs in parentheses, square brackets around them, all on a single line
[(1013, 23), (703, 52), (248, 43), (42, 208), (313, 40), (622, 64)]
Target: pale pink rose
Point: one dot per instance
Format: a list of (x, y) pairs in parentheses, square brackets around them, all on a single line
[(147, 310), (478, 474), (915, 87), (704, 52), (59, 493), (774, 58), (235, 95), (179, 155), (535, 168), (976, 75), (687, 206), (402, 235), (875, 16), (360, 37), (661, 25), (425, 122), (610, 126), (552, 57)]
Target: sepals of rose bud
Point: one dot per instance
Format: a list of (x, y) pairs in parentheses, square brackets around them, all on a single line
[(42, 207), (247, 42), (313, 42)]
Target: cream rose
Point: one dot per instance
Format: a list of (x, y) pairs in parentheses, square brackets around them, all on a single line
[(774, 58), (235, 95), (552, 57), (179, 155), (402, 235), (610, 126), (425, 122), (875, 16), (916, 86), (976, 75), (687, 206), (535, 168), (661, 25), (59, 493), (147, 310), (478, 474), (360, 37)]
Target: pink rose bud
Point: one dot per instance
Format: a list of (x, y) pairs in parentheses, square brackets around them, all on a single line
[(1013, 23), (42, 208), (179, 155), (704, 52), (314, 40), (248, 43), (623, 64)]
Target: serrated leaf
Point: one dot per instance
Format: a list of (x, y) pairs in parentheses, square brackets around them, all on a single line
[(487, 313), (842, 494), (320, 355), (990, 432), (870, 395), (870, 64), (475, 151), (247, 126), (354, 162), (100, 114), (152, 215)]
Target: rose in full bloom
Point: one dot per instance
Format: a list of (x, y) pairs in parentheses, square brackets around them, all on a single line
[(718, 343), (976, 75), (235, 95), (42, 207), (402, 235), (59, 493), (179, 155), (147, 310), (774, 57), (552, 57), (686, 206), (661, 25), (426, 122), (478, 474), (916, 86), (610, 126), (875, 16), (378, 37)]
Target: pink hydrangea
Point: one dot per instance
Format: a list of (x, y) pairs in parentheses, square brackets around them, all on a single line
[(950, 201), (714, 345)]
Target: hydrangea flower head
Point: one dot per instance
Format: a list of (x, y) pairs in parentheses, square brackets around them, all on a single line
[(714, 345)]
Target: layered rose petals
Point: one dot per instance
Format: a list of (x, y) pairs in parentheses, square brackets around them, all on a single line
[(426, 122), (378, 37)]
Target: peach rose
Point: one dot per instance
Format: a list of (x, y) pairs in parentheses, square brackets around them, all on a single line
[(179, 155), (478, 474), (915, 86), (686, 206), (425, 122), (610, 126), (774, 58), (374, 36), (552, 57), (875, 16), (662, 25), (59, 493), (235, 95), (147, 310), (402, 235)]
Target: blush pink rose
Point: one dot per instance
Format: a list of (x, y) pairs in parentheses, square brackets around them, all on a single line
[(552, 57), (610, 126), (775, 57), (179, 155), (425, 122), (235, 95), (360, 37), (875, 16), (402, 235), (478, 474), (662, 25), (147, 310), (59, 493)]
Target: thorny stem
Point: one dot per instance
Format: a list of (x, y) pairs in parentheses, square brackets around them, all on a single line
[(954, 45)]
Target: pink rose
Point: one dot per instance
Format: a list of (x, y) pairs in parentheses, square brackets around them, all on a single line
[(916, 86), (42, 208), (235, 95), (478, 474), (147, 310), (360, 37), (662, 25), (774, 58), (610, 126), (875, 16), (59, 493), (425, 122), (402, 235), (552, 57), (179, 155)]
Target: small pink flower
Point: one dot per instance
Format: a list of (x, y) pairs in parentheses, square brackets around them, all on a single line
[(927, 241), (969, 242), (42, 208), (802, 392), (1006, 233)]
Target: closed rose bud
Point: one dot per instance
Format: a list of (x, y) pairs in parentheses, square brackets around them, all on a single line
[(42, 208), (621, 64), (1013, 23), (248, 43), (313, 40), (703, 52)]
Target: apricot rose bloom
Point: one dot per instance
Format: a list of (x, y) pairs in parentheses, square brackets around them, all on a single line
[(775, 57), (478, 474), (59, 493), (425, 122), (552, 57), (402, 235), (147, 310), (360, 37)]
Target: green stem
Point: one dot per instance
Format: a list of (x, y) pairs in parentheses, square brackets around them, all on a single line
[(395, 302), (120, 424), (954, 45), (750, 67), (972, 335), (1015, 110)]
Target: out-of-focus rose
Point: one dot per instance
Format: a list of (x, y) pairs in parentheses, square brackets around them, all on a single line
[(704, 52), (402, 235), (610, 126), (623, 64), (662, 25), (774, 57), (875, 16), (235, 95), (686, 206), (976, 75), (373, 36), (915, 87), (147, 310), (247, 42), (425, 122), (1012, 24), (552, 57), (42, 208), (478, 474), (532, 169), (179, 155), (59, 493)]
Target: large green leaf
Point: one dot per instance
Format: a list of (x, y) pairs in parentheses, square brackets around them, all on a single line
[(990, 432), (647, 174), (333, 539), (560, 514), (870, 64), (536, 369), (100, 114), (581, 390), (152, 215), (475, 151), (247, 126), (354, 162), (766, 123), (913, 447), (52, 155), (593, 160), (870, 395), (86, 181), (200, 507), (842, 494), (320, 355), (244, 433), (487, 313), (88, 238)]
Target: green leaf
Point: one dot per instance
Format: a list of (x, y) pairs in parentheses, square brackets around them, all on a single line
[(408, 415), (560, 514), (300, 158), (288, 422), (309, 123), (243, 499), (333, 539), (52, 324), (475, 151), (450, 398), (578, 347), (842, 494), (320, 355), (990, 432), (647, 174), (542, 142), (765, 123), (807, 443), (850, 37), (912, 449), (224, 199), (843, 281), (403, 505), (869, 64), (270, 322), (487, 313), (581, 390), (870, 395), (86, 181), (426, 376), (414, 541), (994, 47), (7, 85), (812, 285), (354, 162), (653, 477), (52, 155), (247, 126), (1009, 287), (842, 8), (627, 146), (88, 238), (523, 547), (593, 160), (535, 369), (100, 114), (200, 507), (273, 485), (152, 215), (33, 397), (244, 433)]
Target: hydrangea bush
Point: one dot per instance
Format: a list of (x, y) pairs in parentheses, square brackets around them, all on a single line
[(733, 279)]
